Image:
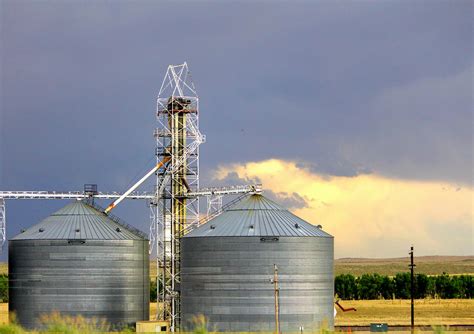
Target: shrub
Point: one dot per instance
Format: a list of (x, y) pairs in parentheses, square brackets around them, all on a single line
[(55, 322), (345, 286), (199, 324)]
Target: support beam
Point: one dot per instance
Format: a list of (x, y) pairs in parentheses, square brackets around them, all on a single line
[(78, 195)]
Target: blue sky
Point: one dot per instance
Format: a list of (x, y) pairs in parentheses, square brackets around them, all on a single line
[(343, 88)]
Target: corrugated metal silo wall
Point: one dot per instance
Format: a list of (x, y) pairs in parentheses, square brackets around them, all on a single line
[(227, 279), (99, 278)]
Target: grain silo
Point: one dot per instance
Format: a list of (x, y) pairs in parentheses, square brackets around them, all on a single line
[(79, 261), (227, 265)]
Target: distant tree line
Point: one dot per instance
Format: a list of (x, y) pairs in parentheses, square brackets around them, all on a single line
[(368, 286), (375, 286)]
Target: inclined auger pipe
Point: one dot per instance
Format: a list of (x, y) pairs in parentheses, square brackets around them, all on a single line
[(136, 185)]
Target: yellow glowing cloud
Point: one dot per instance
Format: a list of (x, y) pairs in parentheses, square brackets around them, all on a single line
[(371, 215)]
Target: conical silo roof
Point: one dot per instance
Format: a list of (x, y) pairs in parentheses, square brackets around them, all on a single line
[(79, 220), (257, 215)]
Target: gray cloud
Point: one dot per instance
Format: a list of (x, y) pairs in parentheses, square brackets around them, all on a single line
[(421, 130), (320, 82), (328, 166)]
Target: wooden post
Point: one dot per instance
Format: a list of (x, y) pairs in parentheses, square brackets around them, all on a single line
[(277, 299), (412, 266)]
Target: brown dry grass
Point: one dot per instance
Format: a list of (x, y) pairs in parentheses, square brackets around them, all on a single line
[(429, 265), (3, 268), (3, 313), (152, 311), (397, 312)]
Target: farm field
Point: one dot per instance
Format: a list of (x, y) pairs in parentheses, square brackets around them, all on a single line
[(397, 312), (429, 265)]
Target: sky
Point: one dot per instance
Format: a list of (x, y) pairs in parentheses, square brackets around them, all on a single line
[(356, 115)]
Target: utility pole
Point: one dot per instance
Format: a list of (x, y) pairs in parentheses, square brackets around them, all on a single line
[(412, 266), (277, 299)]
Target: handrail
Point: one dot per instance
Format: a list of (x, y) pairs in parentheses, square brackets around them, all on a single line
[(116, 219), (213, 215)]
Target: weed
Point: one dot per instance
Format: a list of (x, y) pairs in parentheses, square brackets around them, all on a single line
[(55, 322), (199, 324)]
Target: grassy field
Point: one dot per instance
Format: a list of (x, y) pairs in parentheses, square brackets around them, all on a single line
[(430, 265), (397, 312)]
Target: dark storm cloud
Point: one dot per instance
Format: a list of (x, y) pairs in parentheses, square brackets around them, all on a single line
[(422, 129), (333, 167), (346, 87)]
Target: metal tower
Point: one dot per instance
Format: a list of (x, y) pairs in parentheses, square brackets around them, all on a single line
[(177, 141)]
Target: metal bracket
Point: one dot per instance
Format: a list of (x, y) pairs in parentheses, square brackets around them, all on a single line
[(214, 204)]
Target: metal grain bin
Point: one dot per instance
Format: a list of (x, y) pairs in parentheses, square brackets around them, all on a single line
[(79, 261), (227, 265)]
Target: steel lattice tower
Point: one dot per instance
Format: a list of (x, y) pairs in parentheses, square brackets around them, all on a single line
[(177, 142)]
